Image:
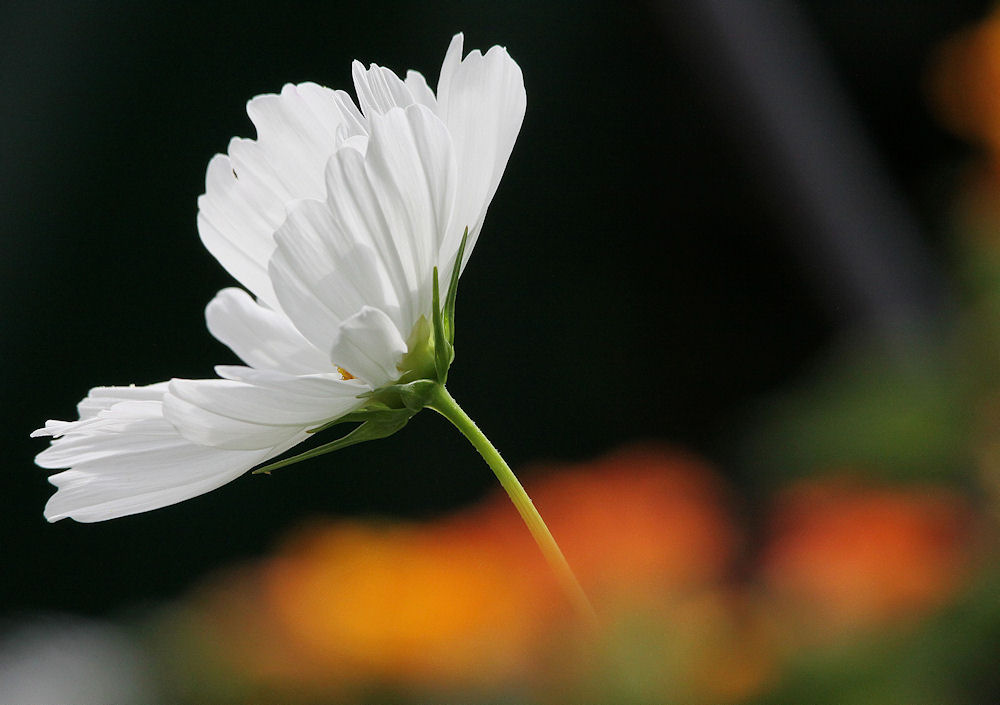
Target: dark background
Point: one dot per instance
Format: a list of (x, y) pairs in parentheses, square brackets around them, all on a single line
[(648, 269)]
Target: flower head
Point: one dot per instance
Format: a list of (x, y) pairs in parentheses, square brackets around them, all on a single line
[(339, 221)]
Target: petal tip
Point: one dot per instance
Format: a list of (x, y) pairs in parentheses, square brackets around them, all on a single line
[(53, 517)]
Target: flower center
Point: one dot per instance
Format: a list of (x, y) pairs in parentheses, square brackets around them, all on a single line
[(344, 373)]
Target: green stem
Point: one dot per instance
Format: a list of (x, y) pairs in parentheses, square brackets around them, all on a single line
[(443, 403)]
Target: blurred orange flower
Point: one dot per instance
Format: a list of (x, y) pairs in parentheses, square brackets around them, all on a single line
[(466, 604), (397, 603), (964, 82), (468, 599), (843, 555), (646, 518)]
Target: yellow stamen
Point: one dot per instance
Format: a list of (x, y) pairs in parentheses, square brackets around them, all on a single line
[(344, 373)]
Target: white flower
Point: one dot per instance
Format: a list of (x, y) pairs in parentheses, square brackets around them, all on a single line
[(334, 218)]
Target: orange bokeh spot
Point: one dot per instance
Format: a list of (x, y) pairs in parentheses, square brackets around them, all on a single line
[(845, 554), (647, 517), (466, 603), (964, 82), (468, 600), (389, 603)]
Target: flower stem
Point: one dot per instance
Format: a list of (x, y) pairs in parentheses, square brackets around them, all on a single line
[(443, 403)]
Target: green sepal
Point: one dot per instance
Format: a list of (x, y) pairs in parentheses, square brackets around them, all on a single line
[(443, 316), (448, 315), (415, 395), (443, 352), (378, 424), (353, 417)]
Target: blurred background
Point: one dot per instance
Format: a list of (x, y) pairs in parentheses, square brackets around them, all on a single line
[(734, 319)]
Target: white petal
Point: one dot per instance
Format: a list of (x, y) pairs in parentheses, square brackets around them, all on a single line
[(377, 239), (410, 158), (379, 89), (355, 200), (369, 346), (482, 101), (202, 427), (419, 89), (261, 337), (277, 380), (236, 218), (246, 192), (403, 200), (300, 128), (102, 398), (127, 459), (245, 416), (452, 60), (324, 275), (272, 398)]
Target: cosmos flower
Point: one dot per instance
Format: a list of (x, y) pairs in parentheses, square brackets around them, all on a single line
[(339, 221)]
